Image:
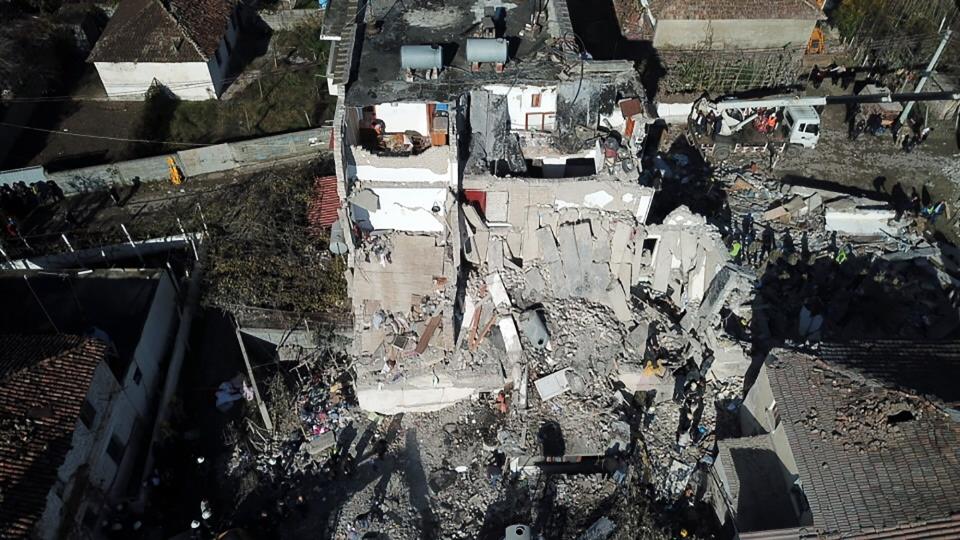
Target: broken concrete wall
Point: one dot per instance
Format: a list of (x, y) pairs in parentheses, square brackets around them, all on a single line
[(597, 193), (402, 209), (685, 256), (424, 390), (861, 221), (437, 164), (530, 107), (757, 410)]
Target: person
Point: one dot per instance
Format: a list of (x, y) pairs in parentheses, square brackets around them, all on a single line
[(909, 142), (55, 191), (843, 254), (380, 448), (115, 195), (12, 228), (735, 250), (816, 76)]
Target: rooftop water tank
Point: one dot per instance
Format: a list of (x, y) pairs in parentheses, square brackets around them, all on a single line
[(517, 532), (487, 50), (421, 57)]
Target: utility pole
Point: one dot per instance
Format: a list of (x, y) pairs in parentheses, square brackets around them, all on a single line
[(926, 75)]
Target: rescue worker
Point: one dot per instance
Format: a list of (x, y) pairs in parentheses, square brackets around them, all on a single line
[(735, 250), (844, 254)]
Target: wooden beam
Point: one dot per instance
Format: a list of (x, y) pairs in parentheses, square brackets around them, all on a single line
[(264, 414)]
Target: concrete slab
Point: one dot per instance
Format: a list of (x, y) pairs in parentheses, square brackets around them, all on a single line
[(861, 222), (552, 385), (572, 270), (514, 244), (511, 338), (664, 261), (495, 254), (618, 243), (530, 248), (617, 300), (473, 218), (497, 290), (497, 207), (482, 243)]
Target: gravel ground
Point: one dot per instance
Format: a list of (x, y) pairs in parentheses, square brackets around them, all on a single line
[(934, 165)]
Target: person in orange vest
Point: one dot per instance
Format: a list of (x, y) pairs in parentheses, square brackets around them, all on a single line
[(772, 123)]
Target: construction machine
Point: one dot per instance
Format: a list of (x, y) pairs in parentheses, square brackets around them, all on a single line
[(772, 124)]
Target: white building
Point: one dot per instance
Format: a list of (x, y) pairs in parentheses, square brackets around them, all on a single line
[(185, 48), (80, 409)]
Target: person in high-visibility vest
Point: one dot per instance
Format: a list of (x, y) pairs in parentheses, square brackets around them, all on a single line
[(175, 177), (843, 254), (735, 250)]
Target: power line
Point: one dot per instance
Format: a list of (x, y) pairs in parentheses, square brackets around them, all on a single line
[(182, 85), (144, 141), (89, 136)]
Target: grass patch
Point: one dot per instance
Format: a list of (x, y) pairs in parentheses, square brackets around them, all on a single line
[(290, 95)]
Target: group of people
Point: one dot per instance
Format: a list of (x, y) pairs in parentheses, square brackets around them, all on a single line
[(19, 199), (905, 137)]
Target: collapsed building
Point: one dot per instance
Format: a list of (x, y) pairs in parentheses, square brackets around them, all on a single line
[(515, 286), (478, 190), (500, 246)]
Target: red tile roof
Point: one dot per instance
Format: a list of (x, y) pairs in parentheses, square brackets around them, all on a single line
[(322, 212), (205, 21), (43, 383), (861, 471), (146, 31), (733, 9)]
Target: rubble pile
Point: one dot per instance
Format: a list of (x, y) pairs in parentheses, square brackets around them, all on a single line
[(443, 479)]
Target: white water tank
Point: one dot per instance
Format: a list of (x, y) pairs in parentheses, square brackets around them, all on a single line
[(421, 57), (517, 532), (487, 50)]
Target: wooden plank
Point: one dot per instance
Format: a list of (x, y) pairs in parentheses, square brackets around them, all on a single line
[(264, 414), (428, 332)]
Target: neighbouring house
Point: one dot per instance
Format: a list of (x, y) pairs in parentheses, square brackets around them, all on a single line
[(184, 46), (722, 45), (81, 363), (840, 445), (731, 24)]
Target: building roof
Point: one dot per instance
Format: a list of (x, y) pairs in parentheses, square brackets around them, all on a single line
[(154, 31), (869, 457), (380, 78), (928, 367), (43, 383), (733, 9), (324, 203), (116, 303)]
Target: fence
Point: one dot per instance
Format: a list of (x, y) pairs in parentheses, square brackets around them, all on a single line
[(290, 18), (200, 161)]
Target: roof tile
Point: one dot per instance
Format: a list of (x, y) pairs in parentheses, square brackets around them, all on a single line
[(44, 382)]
